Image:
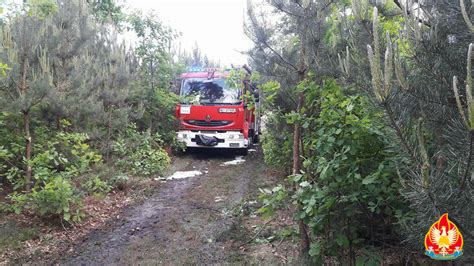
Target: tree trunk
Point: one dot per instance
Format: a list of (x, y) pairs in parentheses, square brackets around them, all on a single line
[(28, 170), (305, 242), (58, 122), (297, 139), (23, 88), (109, 135)]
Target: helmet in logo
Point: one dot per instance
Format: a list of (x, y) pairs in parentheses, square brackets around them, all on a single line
[(208, 118)]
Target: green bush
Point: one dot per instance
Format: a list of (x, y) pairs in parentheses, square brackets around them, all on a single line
[(140, 153), (57, 197), (119, 181), (64, 154), (96, 186), (277, 141), (277, 145), (57, 159), (5, 157), (348, 193)]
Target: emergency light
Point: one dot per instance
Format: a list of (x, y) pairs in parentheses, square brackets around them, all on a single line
[(195, 69), (201, 69)]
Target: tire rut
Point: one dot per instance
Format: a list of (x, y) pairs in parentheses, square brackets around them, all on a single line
[(183, 223)]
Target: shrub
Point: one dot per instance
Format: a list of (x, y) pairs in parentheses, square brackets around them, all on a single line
[(5, 157), (277, 145), (350, 174), (64, 154), (57, 197), (140, 153), (96, 186), (348, 193), (119, 181)]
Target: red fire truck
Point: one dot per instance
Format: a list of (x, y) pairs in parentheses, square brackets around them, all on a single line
[(214, 114)]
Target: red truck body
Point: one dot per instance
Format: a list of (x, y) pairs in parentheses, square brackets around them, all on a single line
[(219, 117)]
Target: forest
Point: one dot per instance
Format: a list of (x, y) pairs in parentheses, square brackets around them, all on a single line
[(368, 105)]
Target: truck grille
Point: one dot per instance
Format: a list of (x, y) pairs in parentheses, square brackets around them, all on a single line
[(212, 123)]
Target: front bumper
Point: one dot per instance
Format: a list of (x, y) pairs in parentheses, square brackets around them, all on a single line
[(226, 139)]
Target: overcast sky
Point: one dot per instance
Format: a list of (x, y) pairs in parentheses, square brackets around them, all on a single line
[(216, 25)]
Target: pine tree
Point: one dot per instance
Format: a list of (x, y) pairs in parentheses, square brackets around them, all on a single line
[(427, 111), (290, 49), (29, 78), (70, 32)]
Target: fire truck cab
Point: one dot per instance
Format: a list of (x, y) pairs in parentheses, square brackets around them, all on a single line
[(213, 113)]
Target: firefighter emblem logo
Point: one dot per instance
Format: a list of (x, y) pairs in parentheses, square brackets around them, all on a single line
[(208, 118), (444, 240)]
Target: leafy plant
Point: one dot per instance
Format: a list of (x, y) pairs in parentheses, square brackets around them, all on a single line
[(64, 154), (57, 197), (349, 179), (96, 186), (140, 153), (350, 175), (119, 181)]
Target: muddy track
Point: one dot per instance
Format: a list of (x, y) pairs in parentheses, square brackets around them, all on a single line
[(188, 221)]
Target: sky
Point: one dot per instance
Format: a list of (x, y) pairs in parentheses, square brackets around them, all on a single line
[(215, 25)]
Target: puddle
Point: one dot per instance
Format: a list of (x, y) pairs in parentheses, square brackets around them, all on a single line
[(236, 161), (180, 175)]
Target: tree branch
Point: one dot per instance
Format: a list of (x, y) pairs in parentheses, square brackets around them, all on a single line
[(397, 2)]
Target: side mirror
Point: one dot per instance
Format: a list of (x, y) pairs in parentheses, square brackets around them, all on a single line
[(256, 96)]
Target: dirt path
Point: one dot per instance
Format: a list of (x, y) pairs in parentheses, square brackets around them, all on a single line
[(189, 221)]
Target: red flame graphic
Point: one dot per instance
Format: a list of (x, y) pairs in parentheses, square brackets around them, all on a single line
[(443, 225)]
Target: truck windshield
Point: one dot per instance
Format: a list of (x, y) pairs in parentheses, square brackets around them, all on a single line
[(209, 91)]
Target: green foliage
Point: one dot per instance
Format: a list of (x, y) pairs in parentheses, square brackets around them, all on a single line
[(272, 200), (118, 181), (5, 157), (58, 159), (349, 188), (350, 175), (140, 153), (235, 78), (3, 69), (277, 140), (156, 72), (107, 11), (41, 8), (57, 197), (65, 154), (69, 87), (277, 147), (96, 186)]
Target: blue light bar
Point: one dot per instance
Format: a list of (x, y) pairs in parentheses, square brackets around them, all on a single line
[(195, 69)]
